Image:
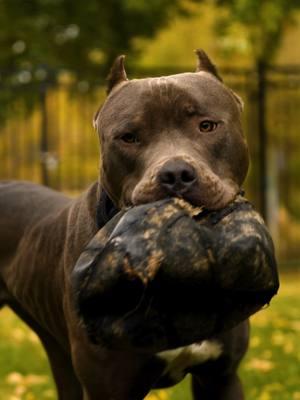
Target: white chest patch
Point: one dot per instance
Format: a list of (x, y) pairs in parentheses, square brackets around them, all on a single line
[(178, 360)]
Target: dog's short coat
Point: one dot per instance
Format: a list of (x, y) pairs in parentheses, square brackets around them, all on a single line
[(179, 136)]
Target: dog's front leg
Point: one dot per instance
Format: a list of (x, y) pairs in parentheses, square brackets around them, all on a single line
[(67, 384), (106, 374), (218, 379), (227, 387)]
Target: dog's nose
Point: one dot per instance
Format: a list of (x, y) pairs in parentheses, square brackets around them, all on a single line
[(177, 176)]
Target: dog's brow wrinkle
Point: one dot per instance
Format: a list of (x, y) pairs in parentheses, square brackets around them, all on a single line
[(150, 84), (163, 87)]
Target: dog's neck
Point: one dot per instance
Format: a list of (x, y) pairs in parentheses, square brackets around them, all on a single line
[(105, 208)]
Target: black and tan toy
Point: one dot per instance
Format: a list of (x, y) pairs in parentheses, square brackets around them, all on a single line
[(166, 274)]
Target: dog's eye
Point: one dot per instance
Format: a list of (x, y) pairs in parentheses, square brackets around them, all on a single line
[(207, 126), (129, 138)]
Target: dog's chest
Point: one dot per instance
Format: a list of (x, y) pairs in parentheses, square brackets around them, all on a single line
[(179, 360)]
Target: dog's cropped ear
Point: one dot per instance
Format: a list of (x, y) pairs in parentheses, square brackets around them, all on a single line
[(95, 119), (117, 74), (204, 64), (238, 100)]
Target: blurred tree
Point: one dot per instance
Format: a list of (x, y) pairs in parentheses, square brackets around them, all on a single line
[(265, 22), (79, 35), (39, 38)]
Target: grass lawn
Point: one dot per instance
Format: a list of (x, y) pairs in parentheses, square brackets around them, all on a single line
[(271, 370)]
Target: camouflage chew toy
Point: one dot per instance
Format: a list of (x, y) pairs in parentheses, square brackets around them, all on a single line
[(166, 274)]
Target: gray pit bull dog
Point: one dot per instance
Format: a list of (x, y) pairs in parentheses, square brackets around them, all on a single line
[(175, 136)]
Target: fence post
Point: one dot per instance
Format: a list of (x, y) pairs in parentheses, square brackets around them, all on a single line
[(263, 136), (44, 134)]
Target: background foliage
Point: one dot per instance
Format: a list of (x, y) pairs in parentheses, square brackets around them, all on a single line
[(53, 56), (82, 36)]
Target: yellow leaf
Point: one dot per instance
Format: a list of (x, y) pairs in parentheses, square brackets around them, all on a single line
[(289, 347), (35, 379), (265, 396), (255, 341), (278, 338), (260, 365), (14, 378), (20, 389)]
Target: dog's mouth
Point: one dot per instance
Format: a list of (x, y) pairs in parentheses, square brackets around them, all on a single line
[(206, 190), (195, 197)]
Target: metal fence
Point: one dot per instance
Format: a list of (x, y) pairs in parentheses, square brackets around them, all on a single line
[(46, 136)]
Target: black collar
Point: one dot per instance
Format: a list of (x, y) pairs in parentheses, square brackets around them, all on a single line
[(105, 209)]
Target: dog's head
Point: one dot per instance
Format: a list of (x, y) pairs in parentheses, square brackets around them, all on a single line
[(178, 135)]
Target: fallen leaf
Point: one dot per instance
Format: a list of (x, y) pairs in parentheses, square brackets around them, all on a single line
[(260, 365)]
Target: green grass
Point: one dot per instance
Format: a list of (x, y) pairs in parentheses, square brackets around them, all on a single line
[(271, 370)]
